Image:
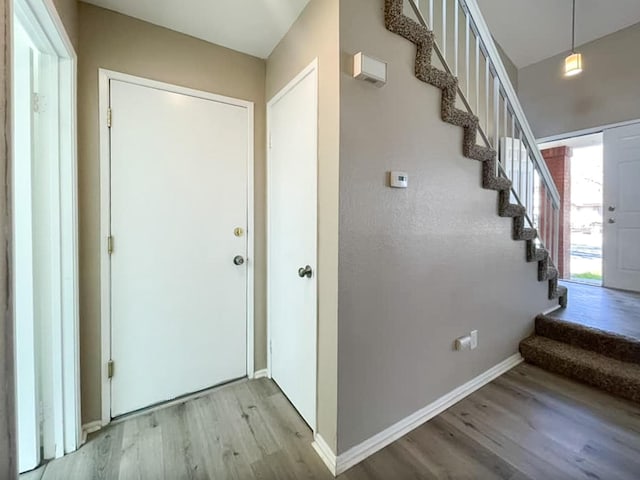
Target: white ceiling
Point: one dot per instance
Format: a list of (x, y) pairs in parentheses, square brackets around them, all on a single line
[(532, 30), (250, 26)]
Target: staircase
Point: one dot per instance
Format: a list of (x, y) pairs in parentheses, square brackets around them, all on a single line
[(472, 73), (477, 96), (605, 360)]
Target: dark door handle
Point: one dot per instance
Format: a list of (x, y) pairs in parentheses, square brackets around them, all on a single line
[(305, 272)]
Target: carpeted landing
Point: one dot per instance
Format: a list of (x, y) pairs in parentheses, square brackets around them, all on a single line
[(606, 360)]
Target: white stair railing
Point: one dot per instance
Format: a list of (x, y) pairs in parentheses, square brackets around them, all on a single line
[(466, 49)]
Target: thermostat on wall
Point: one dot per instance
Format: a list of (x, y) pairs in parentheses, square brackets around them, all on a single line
[(398, 179)]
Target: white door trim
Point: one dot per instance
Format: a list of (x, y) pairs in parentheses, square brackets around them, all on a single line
[(311, 68), (40, 18), (585, 131), (104, 76)]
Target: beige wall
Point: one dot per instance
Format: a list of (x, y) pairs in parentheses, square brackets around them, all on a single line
[(68, 12), (116, 42), (605, 92), (315, 34), (418, 267), (512, 70), (8, 457)]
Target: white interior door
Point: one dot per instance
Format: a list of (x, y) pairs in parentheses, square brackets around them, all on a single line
[(178, 192), (621, 254), (292, 201)]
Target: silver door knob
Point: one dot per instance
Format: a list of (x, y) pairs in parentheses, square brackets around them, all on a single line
[(305, 272), (612, 208), (238, 260), (612, 220)]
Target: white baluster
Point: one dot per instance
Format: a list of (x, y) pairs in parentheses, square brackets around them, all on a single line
[(455, 37), (477, 76), (444, 29), (467, 34)]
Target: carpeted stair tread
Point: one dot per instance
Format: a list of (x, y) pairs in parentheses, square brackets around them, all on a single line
[(614, 376), (521, 232), (558, 291), (548, 273), (490, 180), (535, 253), (620, 347)]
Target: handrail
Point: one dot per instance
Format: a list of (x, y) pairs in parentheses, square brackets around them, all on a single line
[(480, 28), (532, 184), (418, 13), (445, 65), (473, 10)]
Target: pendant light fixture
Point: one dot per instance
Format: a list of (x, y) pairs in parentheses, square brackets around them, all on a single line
[(573, 63)]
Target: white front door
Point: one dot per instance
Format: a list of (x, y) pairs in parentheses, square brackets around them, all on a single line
[(178, 194), (292, 241), (622, 207)]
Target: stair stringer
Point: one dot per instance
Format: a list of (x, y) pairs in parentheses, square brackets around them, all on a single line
[(397, 22)]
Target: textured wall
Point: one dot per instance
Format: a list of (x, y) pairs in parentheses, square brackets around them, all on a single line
[(117, 42), (8, 458), (605, 92), (68, 11), (418, 267), (315, 34), (512, 70)]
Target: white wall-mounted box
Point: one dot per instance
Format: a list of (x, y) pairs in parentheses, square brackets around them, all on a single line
[(369, 69)]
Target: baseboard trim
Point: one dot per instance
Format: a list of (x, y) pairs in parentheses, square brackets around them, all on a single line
[(357, 454), (90, 427), (325, 453), (264, 373), (551, 310)]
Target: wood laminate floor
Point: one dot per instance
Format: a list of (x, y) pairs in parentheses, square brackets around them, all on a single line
[(610, 310), (527, 424)]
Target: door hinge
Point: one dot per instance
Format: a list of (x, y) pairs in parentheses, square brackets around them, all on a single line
[(110, 369), (110, 244), (36, 102), (109, 117), (40, 413)]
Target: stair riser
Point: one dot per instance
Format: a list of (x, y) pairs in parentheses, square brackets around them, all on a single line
[(614, 346), (520, 232), (573, 369)]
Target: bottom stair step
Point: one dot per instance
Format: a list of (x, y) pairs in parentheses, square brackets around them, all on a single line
[(606, 373), (614, 345)]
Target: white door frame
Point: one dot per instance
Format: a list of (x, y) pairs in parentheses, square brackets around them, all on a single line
[(591, 131), (309, 69), (585, 131), (42, 22), (104, 76)]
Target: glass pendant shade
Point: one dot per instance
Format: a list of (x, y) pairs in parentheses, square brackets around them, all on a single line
[(573, 64)]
